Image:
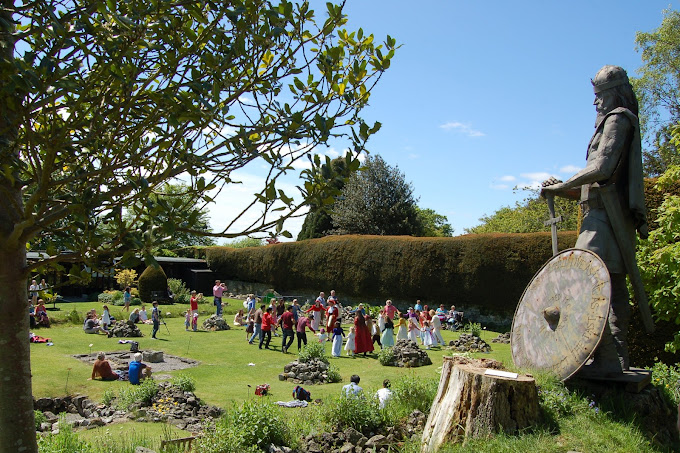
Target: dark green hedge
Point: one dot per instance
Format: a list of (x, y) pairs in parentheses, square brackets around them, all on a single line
[(488, 271), (153, 279)]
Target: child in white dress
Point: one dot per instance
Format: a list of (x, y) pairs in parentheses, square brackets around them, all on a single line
[(349, 346), (323, 336), (428, 338)]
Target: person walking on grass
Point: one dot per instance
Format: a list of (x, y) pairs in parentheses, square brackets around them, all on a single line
[(363, 342), (127, 298), (268, 322), (303, 323), (338, 335), (257, 318), (287, 322)]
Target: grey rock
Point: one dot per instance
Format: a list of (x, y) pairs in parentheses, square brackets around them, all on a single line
[(376, 441)]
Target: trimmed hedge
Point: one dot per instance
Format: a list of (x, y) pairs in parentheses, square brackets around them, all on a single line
[(153, 279), (489, 271)]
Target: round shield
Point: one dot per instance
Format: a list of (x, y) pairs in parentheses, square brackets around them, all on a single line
[(561, 316)]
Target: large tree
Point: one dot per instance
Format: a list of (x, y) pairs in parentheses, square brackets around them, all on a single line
[(658, 92), (180, 208), (318, 222), (434, 224), (377, 200), (528, 216), (104, 101)]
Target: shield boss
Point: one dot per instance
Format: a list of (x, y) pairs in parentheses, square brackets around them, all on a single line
[(561, 316)]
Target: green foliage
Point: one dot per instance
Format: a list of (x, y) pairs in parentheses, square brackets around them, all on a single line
[(184, 382), (659, 258), (386, 357), (333, 374), (126, 277), (65, 441), (152, 279), (558, 401), (313, 350), (39, 418), (434, 224), (658, 92), (667, 378), (181, 292), (528, 216), (413, 393), (244, 243), (377, 200), (474, 328), (318, 222), (129, 395), (74, 317), (250, 428), (355, 411), (374, 267), (108, 397), (106, 297)]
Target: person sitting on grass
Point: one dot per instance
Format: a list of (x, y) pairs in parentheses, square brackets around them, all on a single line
[(41, 317), (352, 389), (102, 369), (143, 316), (90, 324), (138, 370), (134, 316)]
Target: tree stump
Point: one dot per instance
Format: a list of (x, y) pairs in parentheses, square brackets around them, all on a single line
[(472, 403)]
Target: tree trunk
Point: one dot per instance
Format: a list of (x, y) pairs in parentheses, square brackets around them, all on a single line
[(17, 426), (470, 403)]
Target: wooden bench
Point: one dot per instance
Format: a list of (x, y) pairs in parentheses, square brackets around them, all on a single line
[(183, 443)]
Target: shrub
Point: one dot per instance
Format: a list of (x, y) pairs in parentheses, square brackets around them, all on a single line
[(135, 301), (153, 279), (386, 357), (105, 298), (667, 378), (179, 289), (184, 382), (355, 411), (108, 397), (313, 350), (415, 393), (333, 374), (143, 393), (126, 277), (65, 441), (74, 317), (474, 328), (251, 427), (39, 418)]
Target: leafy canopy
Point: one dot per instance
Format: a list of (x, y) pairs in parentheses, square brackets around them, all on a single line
[(107, 101), (528, 216), (658, 92), (377, 200)]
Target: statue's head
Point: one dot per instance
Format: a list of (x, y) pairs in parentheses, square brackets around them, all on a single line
[(613, 89)]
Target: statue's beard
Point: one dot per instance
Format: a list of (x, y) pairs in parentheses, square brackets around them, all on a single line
[(599, 118)]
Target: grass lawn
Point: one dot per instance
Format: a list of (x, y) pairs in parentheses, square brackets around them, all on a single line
[(224, 373)]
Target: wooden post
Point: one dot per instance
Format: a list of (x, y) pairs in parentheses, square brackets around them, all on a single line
[(472, 403)]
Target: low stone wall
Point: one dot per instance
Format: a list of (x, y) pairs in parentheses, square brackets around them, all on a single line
[(469, 343), (408, 354)]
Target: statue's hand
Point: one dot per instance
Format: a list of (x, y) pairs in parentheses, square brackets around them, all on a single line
[(550, 186)]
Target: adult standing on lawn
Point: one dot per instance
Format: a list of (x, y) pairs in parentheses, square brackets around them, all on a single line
[(155, 320), (127, 298), (316, 309), (258, 324), (218, 291), (436, 324), (331, 315), (322, 299), (390, 309), (193, 303), (363, 342), (268, 322), (303, 323), (287, 323)]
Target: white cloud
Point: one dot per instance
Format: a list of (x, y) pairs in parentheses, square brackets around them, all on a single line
[(465, 129), (569, 169), (246, 100), (536, 176), (414, 156), (499, 186), (507, 178)]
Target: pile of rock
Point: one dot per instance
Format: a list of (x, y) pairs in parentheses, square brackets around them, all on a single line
[(78, 411), (469, 343), (502, 338), (215, 323), (124, 329), (314, 371), (179, 408), (170, 405), (408, 354)]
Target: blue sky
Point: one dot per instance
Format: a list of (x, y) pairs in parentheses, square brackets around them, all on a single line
[(486, 96)]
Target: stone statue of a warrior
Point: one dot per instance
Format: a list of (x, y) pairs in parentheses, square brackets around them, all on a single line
[(613, 161)]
